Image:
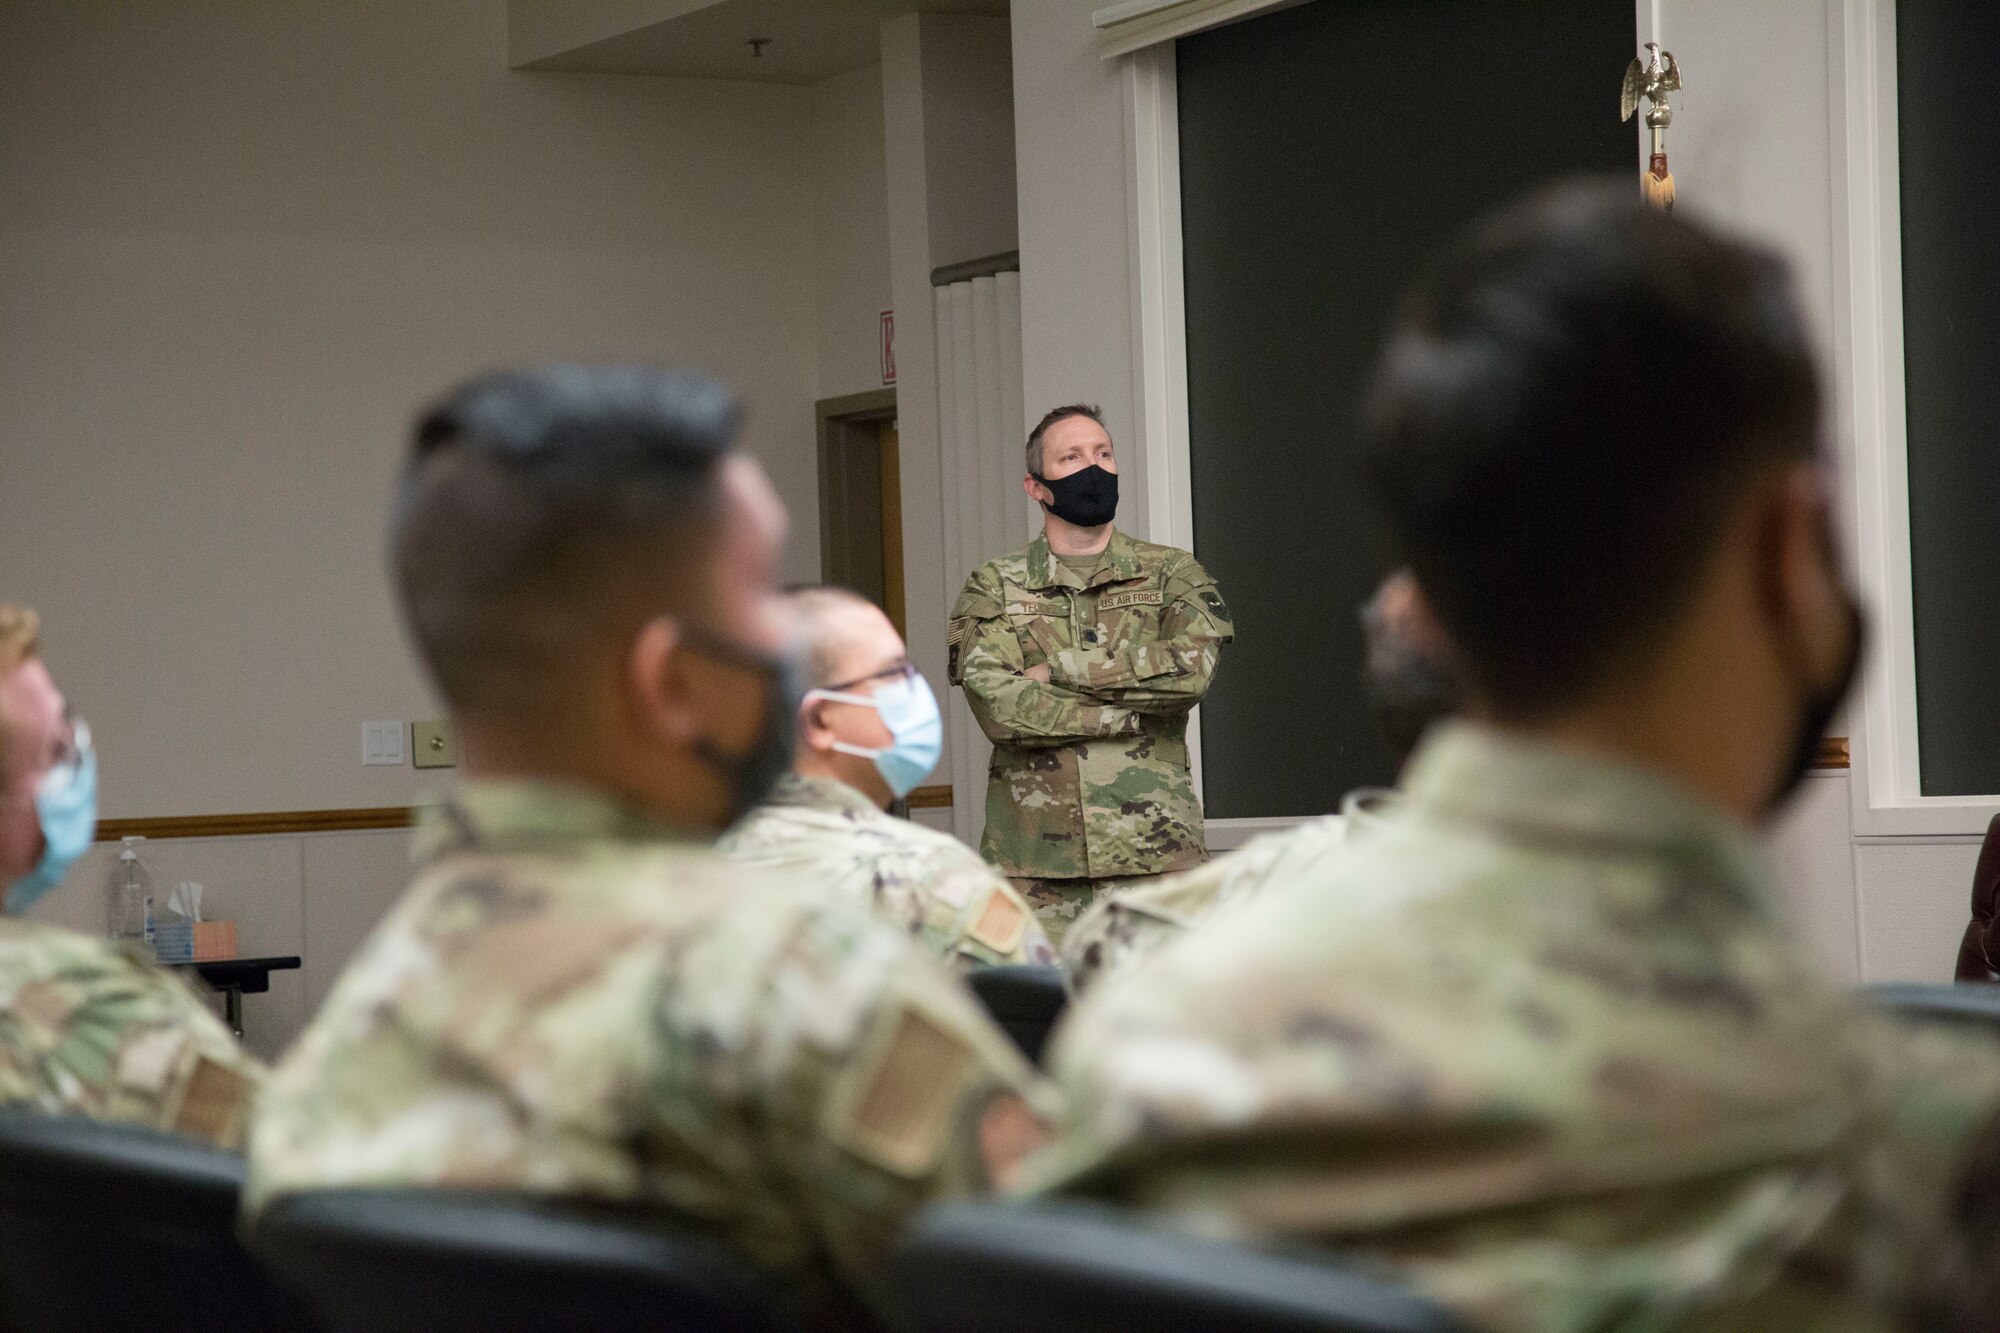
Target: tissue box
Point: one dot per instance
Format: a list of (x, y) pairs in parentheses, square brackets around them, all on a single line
[(173, 941), (214, 941), (184, 941)]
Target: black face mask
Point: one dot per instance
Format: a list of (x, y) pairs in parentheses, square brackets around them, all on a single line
[(1088, 498), (1818, 701), (752, 773)]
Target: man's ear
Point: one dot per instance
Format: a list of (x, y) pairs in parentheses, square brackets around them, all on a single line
[(657, 686), (814, 734), (1037, 492)]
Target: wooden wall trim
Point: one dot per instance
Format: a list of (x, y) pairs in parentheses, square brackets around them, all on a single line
[(251, 825), (266, 823), (1832, 754)]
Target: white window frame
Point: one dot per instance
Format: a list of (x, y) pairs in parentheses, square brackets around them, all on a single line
[(1159, 336), (1886, 791)]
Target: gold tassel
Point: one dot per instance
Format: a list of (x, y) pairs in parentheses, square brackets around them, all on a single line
[(1656, 184)]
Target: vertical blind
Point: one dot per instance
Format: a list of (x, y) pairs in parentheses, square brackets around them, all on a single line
[(980, 430)]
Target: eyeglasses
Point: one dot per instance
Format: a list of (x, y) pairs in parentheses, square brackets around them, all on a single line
[(900, 671), (72, 752)]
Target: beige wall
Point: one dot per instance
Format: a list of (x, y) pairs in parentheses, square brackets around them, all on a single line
[(850, 230), (1076, 292), (239, 244)]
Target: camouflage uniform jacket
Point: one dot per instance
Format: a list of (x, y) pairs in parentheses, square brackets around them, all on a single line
[(834, 840), (1543, 1047), (1089, 778), (1130, 923), (88, 1029), (572, 1000)]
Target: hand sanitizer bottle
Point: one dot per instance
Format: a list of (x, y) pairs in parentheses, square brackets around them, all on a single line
[(132, 899)]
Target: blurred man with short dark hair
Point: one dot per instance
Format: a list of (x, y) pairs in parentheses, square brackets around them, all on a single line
[(577, 996), (1543, 1044)]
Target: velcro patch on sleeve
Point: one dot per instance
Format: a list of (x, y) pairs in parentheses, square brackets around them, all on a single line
[(1001, 922), (1112, 601), (214, 1102), (955, 631), (909, 1097)]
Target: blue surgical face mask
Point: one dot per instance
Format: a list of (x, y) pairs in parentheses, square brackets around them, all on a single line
[(910, 711), (66, 807)]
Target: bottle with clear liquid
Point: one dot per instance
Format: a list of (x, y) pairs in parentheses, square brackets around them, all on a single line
[(132, 899)]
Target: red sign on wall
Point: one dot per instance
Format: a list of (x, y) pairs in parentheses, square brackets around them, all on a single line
[(888, 347)]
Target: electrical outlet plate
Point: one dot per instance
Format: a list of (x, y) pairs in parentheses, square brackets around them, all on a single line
[(382, 744), (434, 744)]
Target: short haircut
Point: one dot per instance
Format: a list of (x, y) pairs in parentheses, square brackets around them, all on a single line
[(20, 636), (20, 641), (1568, 409), (1050, 418), (542, 513), (816, 610)]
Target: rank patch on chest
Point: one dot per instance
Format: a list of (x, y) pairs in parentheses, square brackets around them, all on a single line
[(1112, 601)]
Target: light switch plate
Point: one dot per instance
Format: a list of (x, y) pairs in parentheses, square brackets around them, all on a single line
[(382, 744), (434, 744)]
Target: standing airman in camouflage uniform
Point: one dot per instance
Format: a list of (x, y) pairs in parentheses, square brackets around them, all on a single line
[(87, 1028), (869, 732), (1542, 1043), (1081, 657), (577, 996), (1410, 684)]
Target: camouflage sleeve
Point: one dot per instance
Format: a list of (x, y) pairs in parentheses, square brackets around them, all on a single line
[(872, 1072), (1168, 675), (1012, 709), (108, 1036)]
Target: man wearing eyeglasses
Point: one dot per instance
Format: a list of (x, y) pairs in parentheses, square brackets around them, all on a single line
[(88, 1029), (868, 733)]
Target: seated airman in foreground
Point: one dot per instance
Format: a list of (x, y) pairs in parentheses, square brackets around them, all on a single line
[(868, 732), (87, 1028), (1543, 1044), (1410, 685), (577, 996)]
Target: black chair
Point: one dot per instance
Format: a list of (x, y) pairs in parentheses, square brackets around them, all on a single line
[(106, 1226), (1061, 1267), (390, 1261), (1973, 1004), (1024, 1000)]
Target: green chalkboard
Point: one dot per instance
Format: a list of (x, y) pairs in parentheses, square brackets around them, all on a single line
[(1326, 152), (1951, 344)]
